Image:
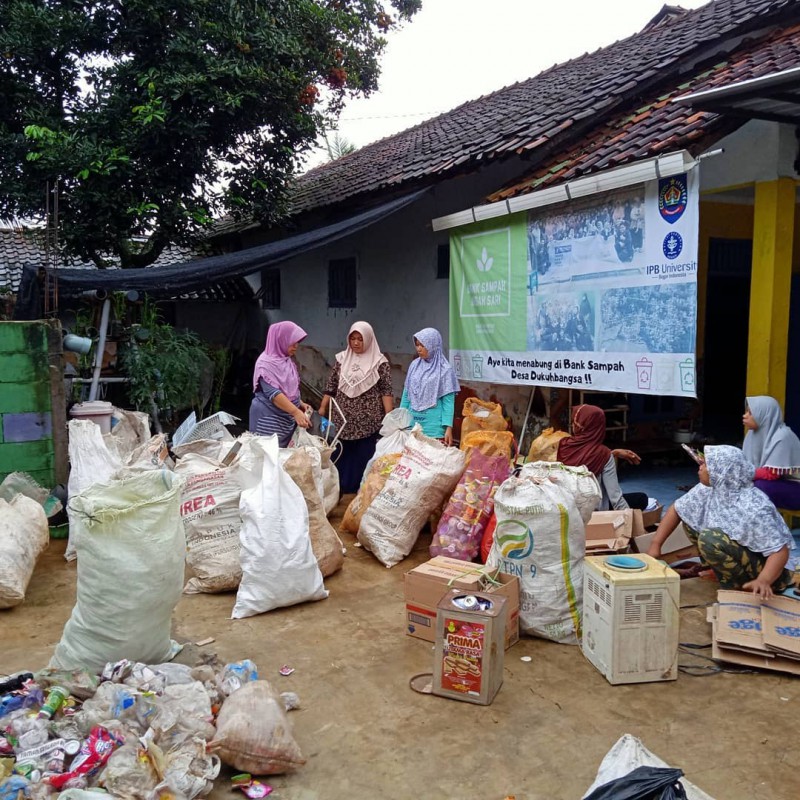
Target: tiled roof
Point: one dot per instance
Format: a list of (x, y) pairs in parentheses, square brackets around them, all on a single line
[(659, 125), (551, 109)]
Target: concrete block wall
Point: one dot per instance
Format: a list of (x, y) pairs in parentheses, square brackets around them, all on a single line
[(26, 406)]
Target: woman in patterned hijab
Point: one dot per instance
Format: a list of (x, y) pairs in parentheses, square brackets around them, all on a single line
[(738, 531)]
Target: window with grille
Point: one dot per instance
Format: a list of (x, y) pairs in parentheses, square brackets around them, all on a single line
[(342, 280), (271, 288)]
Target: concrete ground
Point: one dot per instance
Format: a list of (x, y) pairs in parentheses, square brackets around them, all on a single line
[(367, 735)]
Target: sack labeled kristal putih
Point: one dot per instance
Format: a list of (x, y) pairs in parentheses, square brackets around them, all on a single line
[(131, 551), (418, 485), (482, 415), (579, 482)]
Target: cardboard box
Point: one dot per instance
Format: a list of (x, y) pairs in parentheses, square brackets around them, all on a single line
[(426, 584), (652, 518), (676, 547), (612, 531), (756, 633)]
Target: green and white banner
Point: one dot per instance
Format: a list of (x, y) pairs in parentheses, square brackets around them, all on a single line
[(599, 293)]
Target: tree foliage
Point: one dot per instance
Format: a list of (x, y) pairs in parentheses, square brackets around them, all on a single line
[(154, 115)]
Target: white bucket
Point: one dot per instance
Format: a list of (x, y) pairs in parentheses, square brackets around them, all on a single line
[(97, 411)]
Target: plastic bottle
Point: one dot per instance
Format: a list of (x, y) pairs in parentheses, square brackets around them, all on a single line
[(55, 699)]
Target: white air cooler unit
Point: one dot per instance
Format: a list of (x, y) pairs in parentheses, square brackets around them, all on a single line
[(631, 618)]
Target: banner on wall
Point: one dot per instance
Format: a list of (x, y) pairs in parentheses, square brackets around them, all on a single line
[(597, 294)]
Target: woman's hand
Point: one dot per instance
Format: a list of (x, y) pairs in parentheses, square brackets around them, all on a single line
[(301, 418), (448, 436), (654, 551), (759, 587), (627, 455), (307, 409)]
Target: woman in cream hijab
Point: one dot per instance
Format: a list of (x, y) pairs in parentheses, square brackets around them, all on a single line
[(361, 384)]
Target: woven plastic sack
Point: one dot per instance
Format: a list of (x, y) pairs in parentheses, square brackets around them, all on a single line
[(131, 550), (490, 443), (482, 415), (23, 536), (540, 537), (545, 446), (579, 482), (370, 488), (460, 529), (299, 463), (254, 734), (327, 475), (419, 484)]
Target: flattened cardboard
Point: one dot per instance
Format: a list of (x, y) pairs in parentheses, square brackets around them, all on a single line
[(426, 584), (676, 547)]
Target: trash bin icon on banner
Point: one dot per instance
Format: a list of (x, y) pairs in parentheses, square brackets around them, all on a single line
[(477, 366), (687, 375), (457, 366), (644, 372)]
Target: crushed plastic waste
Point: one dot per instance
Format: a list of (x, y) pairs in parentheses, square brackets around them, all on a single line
[(135, 731)]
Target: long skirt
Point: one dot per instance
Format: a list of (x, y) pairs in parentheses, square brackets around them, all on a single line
[(353, 460), (733, 563)]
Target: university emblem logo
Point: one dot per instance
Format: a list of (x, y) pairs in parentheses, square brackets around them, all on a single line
[(672, 198), (673, 245)]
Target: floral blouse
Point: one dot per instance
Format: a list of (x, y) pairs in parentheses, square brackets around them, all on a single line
[(364, 414)]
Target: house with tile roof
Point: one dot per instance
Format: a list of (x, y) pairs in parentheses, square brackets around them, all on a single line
[(618, 106)]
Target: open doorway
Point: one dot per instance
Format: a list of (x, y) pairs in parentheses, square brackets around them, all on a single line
[(726, 337)]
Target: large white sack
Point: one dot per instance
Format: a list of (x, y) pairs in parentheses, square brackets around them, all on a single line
[(131, 551), (90, 462), (541, 538), (327, 476), (580, 482), (396, 430), (278, 564), (419, 484), (23, 536), (211, 518)]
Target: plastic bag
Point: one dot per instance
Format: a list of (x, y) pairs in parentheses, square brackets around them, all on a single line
[(131, 541), (129, 773), (545, 446), (643, 783), (278, 564), (300, 463), (482, 415), (236, 675), (254, 733), (464, 519), (23, 536), (372, 485), (421, 481), (488, 537)]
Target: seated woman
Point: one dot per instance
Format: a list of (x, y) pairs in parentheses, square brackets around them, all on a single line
[(585, 446), (774, 450), (736, 528)]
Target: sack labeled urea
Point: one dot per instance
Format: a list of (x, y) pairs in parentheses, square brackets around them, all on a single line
[(540, 538), (469, 651)]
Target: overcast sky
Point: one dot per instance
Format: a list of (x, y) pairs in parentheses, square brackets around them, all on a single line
[(457, 50)]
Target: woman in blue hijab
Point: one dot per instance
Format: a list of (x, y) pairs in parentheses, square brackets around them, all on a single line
[(431, 387)]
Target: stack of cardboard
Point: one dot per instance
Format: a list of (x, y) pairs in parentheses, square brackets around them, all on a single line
[(758, 633), (426, 584), (610, 532), (676, 547)]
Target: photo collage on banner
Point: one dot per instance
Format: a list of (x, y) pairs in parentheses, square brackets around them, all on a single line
[(598, 293)]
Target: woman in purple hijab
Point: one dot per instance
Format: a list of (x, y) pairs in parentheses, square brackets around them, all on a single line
[(276, 406), (431, 387)]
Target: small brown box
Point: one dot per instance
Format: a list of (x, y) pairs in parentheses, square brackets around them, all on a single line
[(468, 660)]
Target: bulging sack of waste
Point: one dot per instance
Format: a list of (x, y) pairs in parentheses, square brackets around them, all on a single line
[(419, 484), (579, 482), (328, 475), (374, 481), (23, 536), (300, 463), (254, 734), (482, 415), (540, 537), (278, 564), (545, 446), (131, 550), (397, 427)]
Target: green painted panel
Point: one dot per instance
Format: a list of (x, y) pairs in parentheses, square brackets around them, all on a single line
[(23, 367), (23, 337), (27, 457), (18, 398)]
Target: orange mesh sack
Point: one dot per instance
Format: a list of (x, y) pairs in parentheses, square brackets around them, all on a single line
[(482, 415), (489, 443), (373, 483), (545, 446)]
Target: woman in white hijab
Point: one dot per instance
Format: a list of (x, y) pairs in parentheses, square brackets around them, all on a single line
[(361, 383), (774, 450), (738, 531)]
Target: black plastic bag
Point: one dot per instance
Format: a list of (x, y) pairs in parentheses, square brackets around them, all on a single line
[(643, 783)]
